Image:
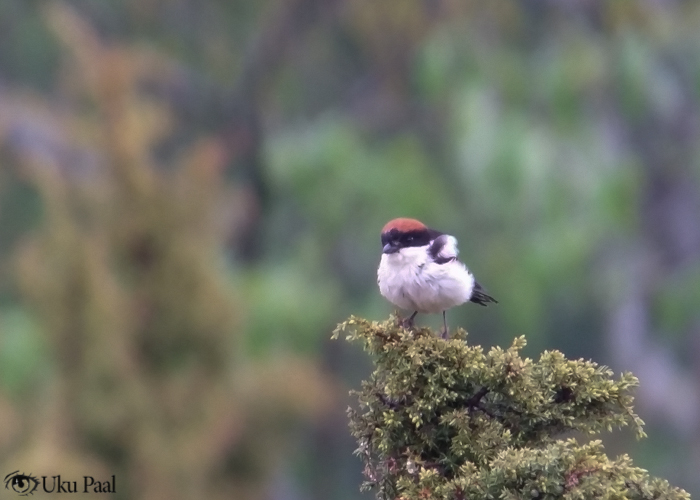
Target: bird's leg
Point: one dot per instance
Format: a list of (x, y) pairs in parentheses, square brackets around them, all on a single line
[(444, 322), (408, 322)]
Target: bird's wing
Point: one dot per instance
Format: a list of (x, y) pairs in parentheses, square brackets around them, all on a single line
[(443, 249)]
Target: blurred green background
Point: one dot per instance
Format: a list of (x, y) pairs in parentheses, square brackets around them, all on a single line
[(191, 194)]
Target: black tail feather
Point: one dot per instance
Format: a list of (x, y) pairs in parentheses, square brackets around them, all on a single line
[(479, 296)]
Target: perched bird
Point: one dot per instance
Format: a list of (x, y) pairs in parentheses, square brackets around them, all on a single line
[(419, 271)]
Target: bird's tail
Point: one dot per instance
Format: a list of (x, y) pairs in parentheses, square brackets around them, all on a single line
[(479, 295)]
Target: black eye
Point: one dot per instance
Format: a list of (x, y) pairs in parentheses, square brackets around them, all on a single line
[(24, 484)]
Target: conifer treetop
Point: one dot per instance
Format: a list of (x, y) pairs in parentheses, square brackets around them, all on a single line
[(440, 419)]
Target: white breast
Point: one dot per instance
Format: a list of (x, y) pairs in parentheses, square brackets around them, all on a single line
[(410, 280)]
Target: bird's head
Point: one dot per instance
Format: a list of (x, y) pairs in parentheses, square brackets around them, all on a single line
[(402, 233)]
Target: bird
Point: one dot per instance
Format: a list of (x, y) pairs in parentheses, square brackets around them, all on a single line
[(419, 271)]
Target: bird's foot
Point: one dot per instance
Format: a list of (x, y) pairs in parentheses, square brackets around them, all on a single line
[(407, 322), (445, 335), (444, 322)]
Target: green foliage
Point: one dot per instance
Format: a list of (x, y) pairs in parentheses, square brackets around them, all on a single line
[(440, 419), (21, 352)]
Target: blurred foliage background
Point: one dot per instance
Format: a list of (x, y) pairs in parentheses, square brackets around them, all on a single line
[(191, 194)]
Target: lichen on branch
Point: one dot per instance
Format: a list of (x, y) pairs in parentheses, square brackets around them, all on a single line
[(441, 419)]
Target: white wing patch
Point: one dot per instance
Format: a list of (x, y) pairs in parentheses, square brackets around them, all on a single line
[(444, 249), (450, 248)]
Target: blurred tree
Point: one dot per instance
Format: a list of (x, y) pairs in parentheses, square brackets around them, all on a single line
[(556, 140), (127, 276)]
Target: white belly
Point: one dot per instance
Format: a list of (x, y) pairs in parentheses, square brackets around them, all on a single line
[(408, 280)]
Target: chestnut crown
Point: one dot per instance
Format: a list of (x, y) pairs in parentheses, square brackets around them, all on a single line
[(403, 232)]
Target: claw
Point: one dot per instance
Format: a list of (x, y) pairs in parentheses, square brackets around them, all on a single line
[(408, 322)]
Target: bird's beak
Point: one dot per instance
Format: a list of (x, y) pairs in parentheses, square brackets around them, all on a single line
[(390, 248)]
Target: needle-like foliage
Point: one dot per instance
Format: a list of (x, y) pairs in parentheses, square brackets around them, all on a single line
[(441, 419)]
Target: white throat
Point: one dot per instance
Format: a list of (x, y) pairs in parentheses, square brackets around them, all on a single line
[(406, 257)]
